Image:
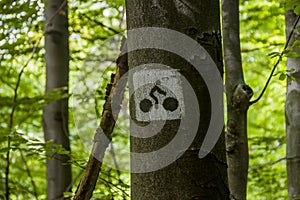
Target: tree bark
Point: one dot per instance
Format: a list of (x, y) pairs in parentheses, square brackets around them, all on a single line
[(188, 177), (238, 95), (55, 116), (292, 110)]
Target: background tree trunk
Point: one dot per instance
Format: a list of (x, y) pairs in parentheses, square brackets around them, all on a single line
[(188, 177), (55, 116), (238, 95), (292, 110)]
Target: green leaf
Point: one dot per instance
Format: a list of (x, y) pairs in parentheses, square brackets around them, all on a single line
[(290, 4), (292, 54), (68, 195), (290, 77), (282, 76), (297, 9), (274, 54), (4, 149), (290, 70), (116, 2)]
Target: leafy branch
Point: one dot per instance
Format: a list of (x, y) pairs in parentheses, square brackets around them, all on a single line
[(101, 24), (29, 175), (14, 105), (277, 62), (11, 117), (114, 92)]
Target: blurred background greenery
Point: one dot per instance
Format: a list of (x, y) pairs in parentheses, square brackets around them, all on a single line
[(94, 47)]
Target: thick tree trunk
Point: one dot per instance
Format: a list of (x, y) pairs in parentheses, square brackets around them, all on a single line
[(55, 116), (154, 175), (292, 110), (238, 95)]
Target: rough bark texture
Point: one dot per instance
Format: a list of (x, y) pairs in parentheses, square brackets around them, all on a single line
[(292, 111), (103, 134), (55, 116), (238, 96), (188, 177)]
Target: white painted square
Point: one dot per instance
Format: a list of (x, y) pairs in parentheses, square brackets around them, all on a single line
[(158, 95)]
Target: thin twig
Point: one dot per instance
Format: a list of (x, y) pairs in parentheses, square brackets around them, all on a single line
[(29, 175), (277, 62), (69, 188), (7, 83), (246, 50), (11, 117), (7, 190), (112, 152), (122, 18), (101, 24), (269, 163), (107, 183), (116, 186)]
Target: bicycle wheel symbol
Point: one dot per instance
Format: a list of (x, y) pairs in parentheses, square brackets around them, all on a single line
[(169, 103)]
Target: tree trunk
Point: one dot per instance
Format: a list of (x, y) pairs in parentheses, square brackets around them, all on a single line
[(292, 110), (238, 95), (171, 109), (55, 116)]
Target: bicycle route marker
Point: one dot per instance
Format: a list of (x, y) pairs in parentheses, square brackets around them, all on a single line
[(158, 94)]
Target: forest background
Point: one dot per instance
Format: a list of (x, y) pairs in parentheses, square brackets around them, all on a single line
[(96, 29)]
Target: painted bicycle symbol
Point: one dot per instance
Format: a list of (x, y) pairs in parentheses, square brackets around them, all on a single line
[(158, 94), (169, 103)]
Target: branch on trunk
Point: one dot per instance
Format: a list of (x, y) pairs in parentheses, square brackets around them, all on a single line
[(279, 59), (238, 97), (102, 138), (241, 96), (240, 105)]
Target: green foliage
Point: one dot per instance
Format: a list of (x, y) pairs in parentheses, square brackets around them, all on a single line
[(19, 120), (56, 94), (92, 56), (262, 38), (116, 2), (21, 30), (94, 49), (297, 9), (292, 4)]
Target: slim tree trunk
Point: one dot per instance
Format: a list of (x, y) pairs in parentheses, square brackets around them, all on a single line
[(165, 161), (238, 96), (55, 116), (292, 110)]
